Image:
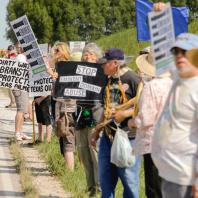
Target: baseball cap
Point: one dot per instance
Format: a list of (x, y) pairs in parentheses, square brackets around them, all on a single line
[(186, 41), (112, 54)]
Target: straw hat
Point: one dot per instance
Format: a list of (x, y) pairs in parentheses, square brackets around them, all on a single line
[(145, 64), (192, 56)]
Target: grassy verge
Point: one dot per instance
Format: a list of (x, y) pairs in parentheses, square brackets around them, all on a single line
[(73, 182), (25, 175)]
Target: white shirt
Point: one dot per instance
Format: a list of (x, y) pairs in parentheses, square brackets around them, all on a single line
[(175, 141)]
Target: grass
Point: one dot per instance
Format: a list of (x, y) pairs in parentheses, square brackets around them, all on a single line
[(73, 182), (25, 175)]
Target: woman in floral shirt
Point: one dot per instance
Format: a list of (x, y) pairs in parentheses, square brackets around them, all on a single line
[(150, 104)]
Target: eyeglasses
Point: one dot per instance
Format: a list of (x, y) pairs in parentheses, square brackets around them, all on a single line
[(177, 51)]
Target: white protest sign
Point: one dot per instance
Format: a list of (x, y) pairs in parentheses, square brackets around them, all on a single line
[(41, 87), (14, 75), (75, 92), (28, 41), (90, 87), (64, 79), (162, 38), (86, 71), (76, 46), (44, 47)]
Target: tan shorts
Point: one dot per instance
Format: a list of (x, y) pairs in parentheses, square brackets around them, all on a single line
[(67, 144), (22, 100)]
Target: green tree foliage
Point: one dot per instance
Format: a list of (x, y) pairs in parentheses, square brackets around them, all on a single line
[(65, 20), (88, 20)]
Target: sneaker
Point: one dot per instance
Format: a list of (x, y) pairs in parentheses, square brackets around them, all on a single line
[(25, 137), (11, 106), (18, 137)]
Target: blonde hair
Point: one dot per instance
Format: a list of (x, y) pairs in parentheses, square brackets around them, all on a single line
[(64, 51)]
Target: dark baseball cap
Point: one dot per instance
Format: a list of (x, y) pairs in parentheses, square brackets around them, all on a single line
[(112, 54)]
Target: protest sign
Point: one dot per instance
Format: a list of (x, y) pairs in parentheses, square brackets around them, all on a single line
[(76, 46), (13, 74), (79, 80), (162, 38), (41, 87), (44, 47), (28, 41)]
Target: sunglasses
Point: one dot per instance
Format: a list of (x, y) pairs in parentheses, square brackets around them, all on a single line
[(177, 51), (56, 50)]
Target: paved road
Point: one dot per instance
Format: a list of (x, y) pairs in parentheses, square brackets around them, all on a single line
[(9, 179)]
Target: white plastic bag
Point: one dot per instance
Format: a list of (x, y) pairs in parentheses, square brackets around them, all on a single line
[(121, 150)]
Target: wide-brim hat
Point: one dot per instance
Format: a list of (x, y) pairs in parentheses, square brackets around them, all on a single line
[(192, 56), (145, 64)]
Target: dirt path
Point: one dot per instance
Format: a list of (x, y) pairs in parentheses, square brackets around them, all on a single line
[(47, 185)]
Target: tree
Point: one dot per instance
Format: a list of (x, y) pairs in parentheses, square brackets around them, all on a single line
[(37, 14)]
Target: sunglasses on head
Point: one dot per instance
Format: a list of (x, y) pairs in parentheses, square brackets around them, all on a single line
[(177, 51)]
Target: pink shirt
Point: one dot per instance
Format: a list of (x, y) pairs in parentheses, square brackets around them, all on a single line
[(151, 104)]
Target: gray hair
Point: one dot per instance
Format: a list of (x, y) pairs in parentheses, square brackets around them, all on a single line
[(93, 48)]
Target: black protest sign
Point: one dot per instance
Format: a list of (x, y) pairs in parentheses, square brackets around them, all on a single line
[(79, 80), (14, 75)]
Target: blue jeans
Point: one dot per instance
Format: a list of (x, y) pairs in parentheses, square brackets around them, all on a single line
[(109, 173)]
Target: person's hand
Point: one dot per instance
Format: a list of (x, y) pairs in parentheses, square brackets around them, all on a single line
[(131, 124), (159, 6), (195, 191), (39, 100), (94, 137), (54, 75), (119, 116)]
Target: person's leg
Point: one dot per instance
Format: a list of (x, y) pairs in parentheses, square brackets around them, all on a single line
[(18, 124), (85, 156), (107, 171), (41, 132), (152, 180), (94, 158), (69, 159), (172, 190), (12, 98), (69, 147), (130, 178), (48, 133)]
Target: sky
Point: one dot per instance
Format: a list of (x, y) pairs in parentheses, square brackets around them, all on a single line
[(3, 41)]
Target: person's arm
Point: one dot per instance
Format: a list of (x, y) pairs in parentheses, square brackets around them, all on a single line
[(40, 99), (120, 116)]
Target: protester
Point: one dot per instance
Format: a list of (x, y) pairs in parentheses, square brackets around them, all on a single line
[(122, 86), (67, 144), (43, 115), (88, 155), (22, 103), (12, 54), (150, 105), (174, 145)]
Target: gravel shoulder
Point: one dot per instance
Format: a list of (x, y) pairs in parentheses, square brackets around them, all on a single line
[(47, 185)]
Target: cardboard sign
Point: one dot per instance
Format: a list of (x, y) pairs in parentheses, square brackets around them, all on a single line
[(28, 41), (76, 46), (41, 87), (80, 80), (162, 38), (14, 75)]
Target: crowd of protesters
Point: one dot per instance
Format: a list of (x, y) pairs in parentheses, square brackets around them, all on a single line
[(161, 121)]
